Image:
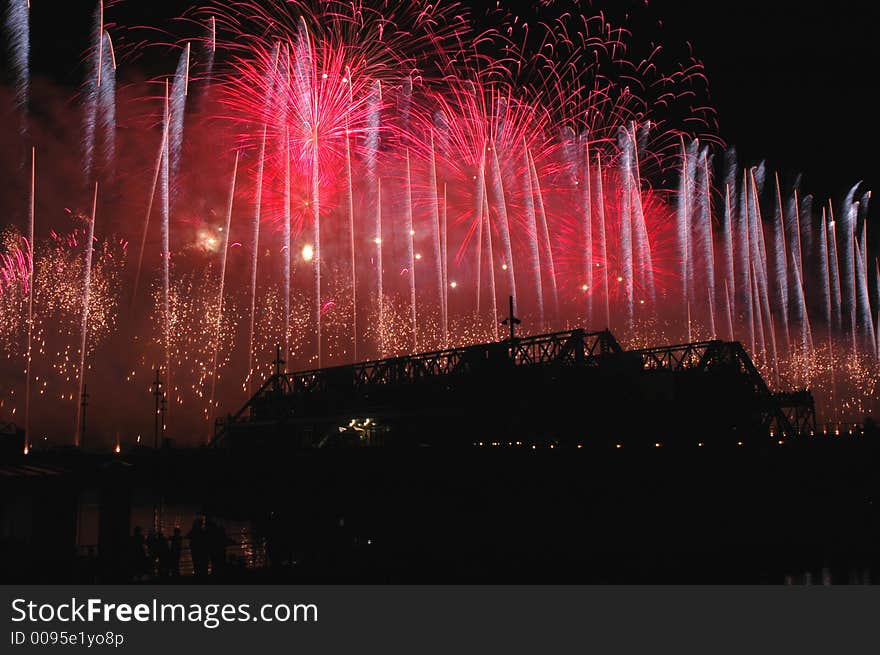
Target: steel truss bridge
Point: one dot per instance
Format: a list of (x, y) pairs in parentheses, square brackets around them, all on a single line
[(574, 385)]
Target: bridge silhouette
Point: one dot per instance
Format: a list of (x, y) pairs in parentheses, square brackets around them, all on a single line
[(564, 387)]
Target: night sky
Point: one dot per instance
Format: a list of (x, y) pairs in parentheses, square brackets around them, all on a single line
[(793, 82)]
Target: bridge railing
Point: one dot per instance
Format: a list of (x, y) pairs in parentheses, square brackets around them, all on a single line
[(563, 347), (575, 347), (675, 358)]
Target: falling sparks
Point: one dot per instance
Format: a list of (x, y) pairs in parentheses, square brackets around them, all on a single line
[(394, 189)]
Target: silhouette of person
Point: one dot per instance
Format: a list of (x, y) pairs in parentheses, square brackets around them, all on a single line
[(217, 542), (139, 560), (175, 546), (163, 554), (198, 548), (152, 551), (278, 542)]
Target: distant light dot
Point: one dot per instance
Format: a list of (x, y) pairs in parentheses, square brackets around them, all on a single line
[(418, 256), (503, 267), (453, 284), (585, 288), (412, 233), (324, 76), (377, 241), (308, 252), (620, 279)]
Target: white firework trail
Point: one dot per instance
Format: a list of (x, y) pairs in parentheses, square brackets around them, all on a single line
[(18, 36)]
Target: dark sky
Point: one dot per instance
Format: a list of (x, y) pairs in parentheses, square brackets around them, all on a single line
[(793, 82)]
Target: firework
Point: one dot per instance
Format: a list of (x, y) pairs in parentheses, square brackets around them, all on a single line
[(398, 173), (18, 35)]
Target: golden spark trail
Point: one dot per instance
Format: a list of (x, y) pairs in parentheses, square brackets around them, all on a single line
[(87, 282), (210, 411)]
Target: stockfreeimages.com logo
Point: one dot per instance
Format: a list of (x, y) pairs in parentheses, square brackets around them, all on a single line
[(209, 615)]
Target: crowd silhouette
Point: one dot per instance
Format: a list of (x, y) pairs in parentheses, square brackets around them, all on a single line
[(159, 556)]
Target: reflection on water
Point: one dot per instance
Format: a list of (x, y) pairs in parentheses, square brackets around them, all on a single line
[(330, 543), (826, 576), (153, 515)]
